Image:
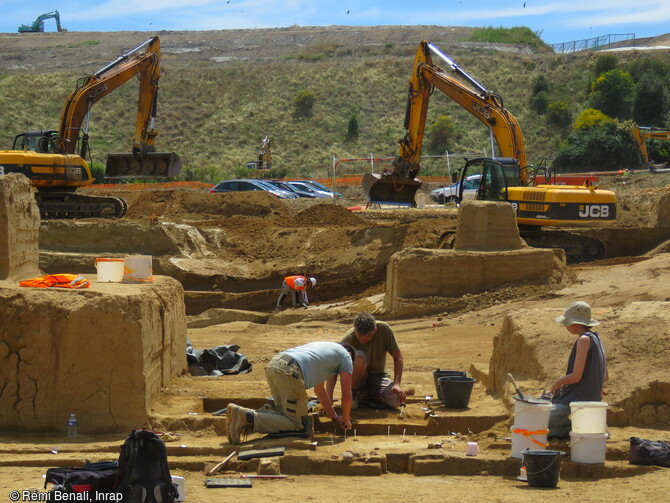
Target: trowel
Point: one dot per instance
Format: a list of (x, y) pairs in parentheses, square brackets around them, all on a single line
[(518, 391)]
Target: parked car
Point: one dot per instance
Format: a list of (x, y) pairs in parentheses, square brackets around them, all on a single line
[(450, 194), (320, 186), (250, 184), (311, 189), (287, 186)]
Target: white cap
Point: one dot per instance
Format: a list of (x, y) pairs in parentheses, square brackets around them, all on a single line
[(313, 281)]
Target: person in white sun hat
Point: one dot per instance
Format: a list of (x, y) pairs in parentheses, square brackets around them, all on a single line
[(587, 369)]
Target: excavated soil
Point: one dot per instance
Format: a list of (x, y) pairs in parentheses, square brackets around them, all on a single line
[(230, 252)]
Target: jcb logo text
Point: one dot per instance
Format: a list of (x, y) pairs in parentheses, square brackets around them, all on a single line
[(594, 211)]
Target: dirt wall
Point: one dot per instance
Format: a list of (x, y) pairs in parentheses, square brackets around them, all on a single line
[(103, 353), (19, 228), (488, 254), (535, 349)]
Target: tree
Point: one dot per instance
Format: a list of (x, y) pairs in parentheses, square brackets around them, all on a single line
[(540, 84), (539, 102), (352, 126), (612, 93), (651, 104), (304, 103), (441, 135)]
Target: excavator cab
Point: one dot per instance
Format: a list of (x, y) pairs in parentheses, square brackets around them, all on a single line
[(36, 141), (496, 176)]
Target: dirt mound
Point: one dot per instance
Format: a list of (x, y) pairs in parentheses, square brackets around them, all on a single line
[(645, 208), (328, 214), (183, 203)]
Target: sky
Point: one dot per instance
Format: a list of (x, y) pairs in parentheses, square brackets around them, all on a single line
[(555, 21)]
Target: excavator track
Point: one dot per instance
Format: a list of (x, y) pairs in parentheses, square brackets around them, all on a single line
[(64, 205), (577, 248)]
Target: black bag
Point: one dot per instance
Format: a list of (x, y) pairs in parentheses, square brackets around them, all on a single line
[(144, 476), (649, 452), (93, 478)]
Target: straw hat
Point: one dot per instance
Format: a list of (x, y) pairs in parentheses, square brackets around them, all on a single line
[(577, 312)]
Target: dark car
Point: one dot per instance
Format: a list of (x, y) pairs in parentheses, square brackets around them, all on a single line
[(310, 189), (249, 184), (319, 186), (287, 186)]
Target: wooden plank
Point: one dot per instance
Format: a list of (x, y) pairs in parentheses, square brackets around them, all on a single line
[(228, 482), (220, 465), (262, 453)]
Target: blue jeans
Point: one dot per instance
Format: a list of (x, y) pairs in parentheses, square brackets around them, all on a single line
[(559, 421)]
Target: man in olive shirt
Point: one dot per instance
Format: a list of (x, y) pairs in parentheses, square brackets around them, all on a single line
[(372, 340)]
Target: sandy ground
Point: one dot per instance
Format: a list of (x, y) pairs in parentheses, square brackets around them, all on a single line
[(241, 249)]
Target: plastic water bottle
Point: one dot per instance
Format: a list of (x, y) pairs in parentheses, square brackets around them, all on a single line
[(72, 424)]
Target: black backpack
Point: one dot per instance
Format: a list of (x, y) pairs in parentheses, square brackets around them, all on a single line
[(94, 478), (144, 476)]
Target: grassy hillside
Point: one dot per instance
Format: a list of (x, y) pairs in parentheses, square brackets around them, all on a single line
[(217, 103)]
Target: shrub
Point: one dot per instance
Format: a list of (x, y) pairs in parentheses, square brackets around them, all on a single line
[(558, 114), (605, 63), (641, 68), (516, 35), (304, 103), (98, 171), (591, 118), (441, 135), (539, 102), (606, 147), (540, 84)]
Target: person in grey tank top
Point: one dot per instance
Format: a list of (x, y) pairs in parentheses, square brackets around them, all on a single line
[(587, 369)]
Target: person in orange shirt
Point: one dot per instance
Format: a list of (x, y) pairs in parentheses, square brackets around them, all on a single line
[(297, 286)]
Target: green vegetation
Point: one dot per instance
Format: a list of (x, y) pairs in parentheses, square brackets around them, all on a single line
[(304, 104), (521, 35), (350, 103), (441, 135)]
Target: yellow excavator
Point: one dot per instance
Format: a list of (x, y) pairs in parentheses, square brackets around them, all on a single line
[(508, 177), (49, 159), (263, 158), (641, 133)]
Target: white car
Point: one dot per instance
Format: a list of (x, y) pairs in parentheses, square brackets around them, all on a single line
[(450, 194)]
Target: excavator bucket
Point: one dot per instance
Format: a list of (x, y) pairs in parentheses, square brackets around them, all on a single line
[(390, 189), (150, 165)]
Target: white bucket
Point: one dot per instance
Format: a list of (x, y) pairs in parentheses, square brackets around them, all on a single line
[(531, 425), (110, 270), (138, 269), (588, 417), (181, 487), (588, 448)]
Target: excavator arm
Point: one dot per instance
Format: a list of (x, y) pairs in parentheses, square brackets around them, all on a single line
[(640, 133), (38, 24), (50, 160), (144, 161), (401, 184)]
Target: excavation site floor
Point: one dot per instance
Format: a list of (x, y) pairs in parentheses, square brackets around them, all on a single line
[(230, 254)]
